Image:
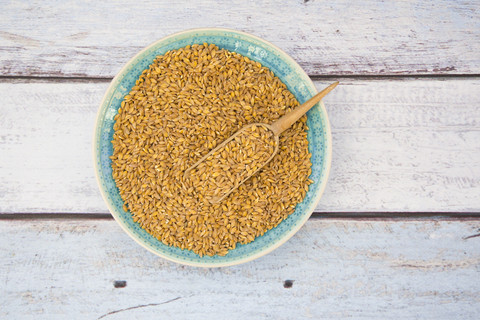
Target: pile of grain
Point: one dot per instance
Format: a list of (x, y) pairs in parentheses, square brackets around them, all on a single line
[(182, 106), (232, 162)]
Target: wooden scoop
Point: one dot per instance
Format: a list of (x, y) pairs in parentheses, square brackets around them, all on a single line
[(212, 176)]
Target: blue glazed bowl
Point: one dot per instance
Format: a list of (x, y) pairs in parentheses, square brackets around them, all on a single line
[(284, 67)]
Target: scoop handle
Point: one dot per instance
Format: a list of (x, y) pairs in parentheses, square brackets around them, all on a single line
[(290, 118)]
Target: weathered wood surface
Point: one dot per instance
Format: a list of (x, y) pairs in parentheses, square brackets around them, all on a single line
[(398, 145), (340, 269), (82, 39)]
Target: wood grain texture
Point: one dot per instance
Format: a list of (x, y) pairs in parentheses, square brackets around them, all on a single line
[(81, 39), (338, 269), (402, 146)]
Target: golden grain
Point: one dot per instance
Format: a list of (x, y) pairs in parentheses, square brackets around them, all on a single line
[(186, 103)]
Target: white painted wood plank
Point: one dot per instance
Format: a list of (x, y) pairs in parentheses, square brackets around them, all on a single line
[(410, 145), (76, 38), (404, 146), (340, 269), (46, 147)]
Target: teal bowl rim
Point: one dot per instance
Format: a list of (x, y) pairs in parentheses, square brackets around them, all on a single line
[(307, 211)]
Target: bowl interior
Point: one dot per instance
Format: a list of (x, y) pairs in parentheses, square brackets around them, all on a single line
[(283, 67)]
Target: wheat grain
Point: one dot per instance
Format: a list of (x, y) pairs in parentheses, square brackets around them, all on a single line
[(186, 103)]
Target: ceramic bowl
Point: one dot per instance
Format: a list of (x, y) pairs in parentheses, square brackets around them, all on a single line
[(284, 67)]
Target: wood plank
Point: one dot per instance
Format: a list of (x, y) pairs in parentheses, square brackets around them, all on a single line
[(404, 146), (339, 269), (398, 146), (74, 38)]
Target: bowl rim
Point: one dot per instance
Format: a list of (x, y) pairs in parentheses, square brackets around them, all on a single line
[(300, 223)]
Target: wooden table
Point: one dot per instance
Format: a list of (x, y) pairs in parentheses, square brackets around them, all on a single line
[(396, 234)]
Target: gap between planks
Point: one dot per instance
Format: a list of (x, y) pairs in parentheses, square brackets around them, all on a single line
[(383, 216), (399, 77)]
